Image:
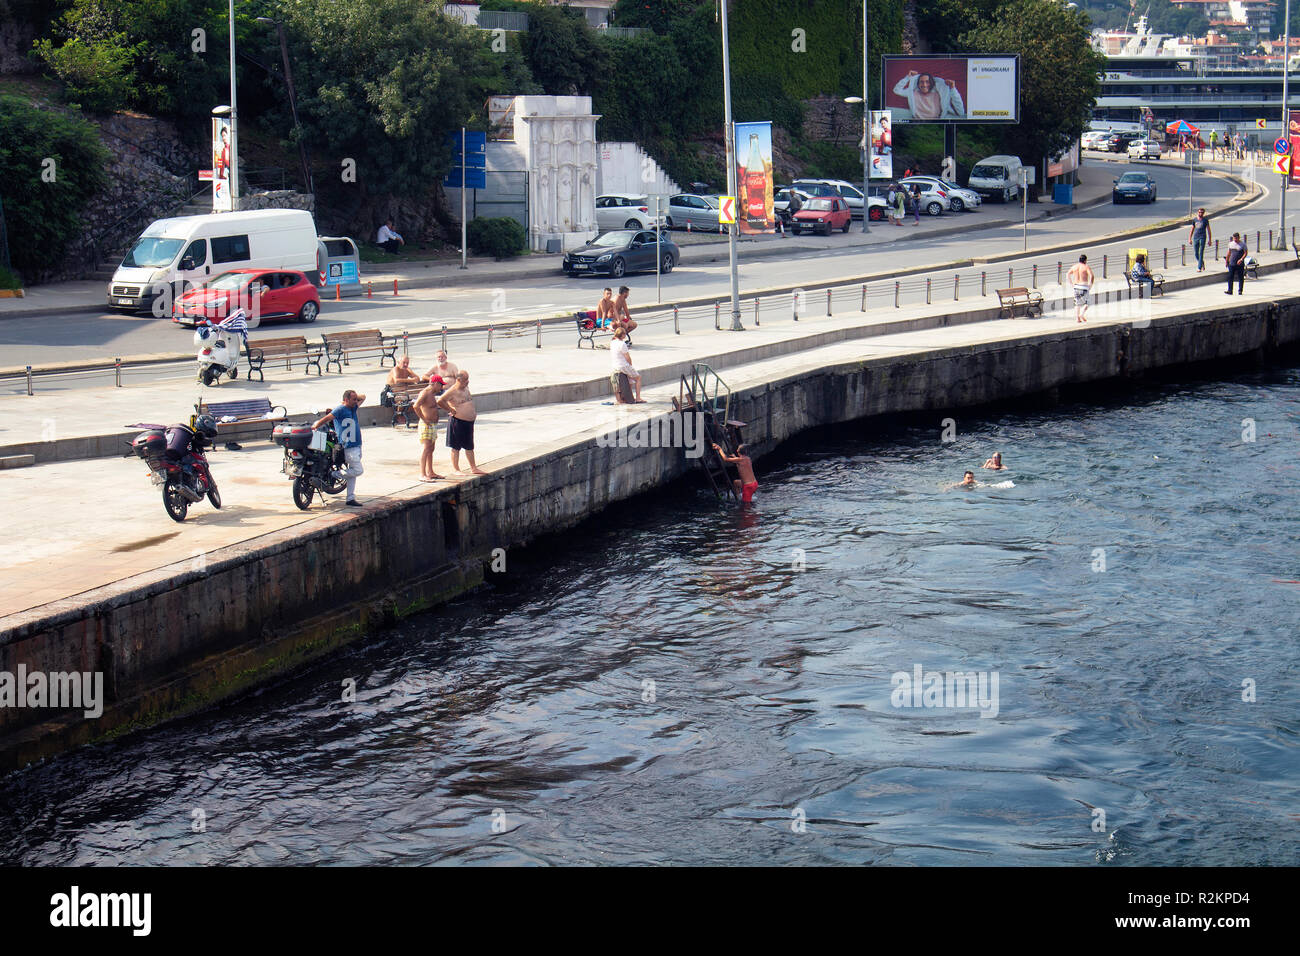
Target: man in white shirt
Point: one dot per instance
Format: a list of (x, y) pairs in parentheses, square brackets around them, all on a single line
[(622, 362), (388, 239)]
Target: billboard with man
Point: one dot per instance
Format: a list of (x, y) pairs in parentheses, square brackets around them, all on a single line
[(952, 89)]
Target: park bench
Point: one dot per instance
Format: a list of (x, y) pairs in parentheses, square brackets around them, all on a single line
[(340, 347), (587, 330), (1011, 301), (1157, 284), (239, 417), (293, 347)]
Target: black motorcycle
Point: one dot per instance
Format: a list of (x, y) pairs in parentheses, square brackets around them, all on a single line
[(313, 459)]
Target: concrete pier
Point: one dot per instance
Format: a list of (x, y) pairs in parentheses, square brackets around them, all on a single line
[(268, 589)]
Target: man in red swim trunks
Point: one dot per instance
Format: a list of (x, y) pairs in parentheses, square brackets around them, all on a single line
[(747, 483)]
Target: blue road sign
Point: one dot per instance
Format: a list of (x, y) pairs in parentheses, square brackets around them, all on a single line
[(1282, 146), (475, 178)]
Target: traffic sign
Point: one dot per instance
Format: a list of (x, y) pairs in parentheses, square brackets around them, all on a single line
[(1282, 165), (727, 210), (205, 175), (1261, 124), (1281, 146)]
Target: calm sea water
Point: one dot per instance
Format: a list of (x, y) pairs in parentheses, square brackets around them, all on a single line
[(679, 683)]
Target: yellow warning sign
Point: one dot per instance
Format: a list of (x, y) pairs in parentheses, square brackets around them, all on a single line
[(1261, 124), (727, 210), (1282, 164)]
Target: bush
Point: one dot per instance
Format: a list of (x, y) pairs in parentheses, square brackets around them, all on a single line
[(503, 237), (9, 279)]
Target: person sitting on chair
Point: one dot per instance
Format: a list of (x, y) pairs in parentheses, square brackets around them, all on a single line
[(1141, 274)]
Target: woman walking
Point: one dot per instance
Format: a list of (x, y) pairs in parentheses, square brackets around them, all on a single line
[(900, 205)]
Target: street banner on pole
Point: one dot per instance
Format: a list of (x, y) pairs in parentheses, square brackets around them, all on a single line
[(222, 200), (882, 144), (754, 177)]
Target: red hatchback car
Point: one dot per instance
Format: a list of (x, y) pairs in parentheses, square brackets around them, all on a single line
[(262, 293), (822, 214)]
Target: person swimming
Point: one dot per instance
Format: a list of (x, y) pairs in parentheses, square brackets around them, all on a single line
[(995, 462), (967, 481)]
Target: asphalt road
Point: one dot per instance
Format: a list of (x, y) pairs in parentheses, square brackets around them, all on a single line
[(84, 336)]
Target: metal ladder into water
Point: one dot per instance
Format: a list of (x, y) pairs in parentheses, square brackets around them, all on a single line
[(704, 393)]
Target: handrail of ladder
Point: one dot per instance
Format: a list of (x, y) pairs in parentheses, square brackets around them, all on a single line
[(700, 375)]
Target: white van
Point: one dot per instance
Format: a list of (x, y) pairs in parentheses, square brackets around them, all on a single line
[(175, 254), (996, 177)]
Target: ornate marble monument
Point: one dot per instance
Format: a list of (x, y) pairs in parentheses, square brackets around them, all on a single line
[(557, 135)]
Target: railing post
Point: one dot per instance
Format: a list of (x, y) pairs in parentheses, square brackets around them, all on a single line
[(29, 380), (1184, 248), (1011, 275), (117, 372), (444, 338), (863, 306), (956, 283), (1058, 272), (756, 301), (1166, 257), (677, 329), (1216, 248), (1270, 241), (1105, 264), (927, 290), (828, 303), (1033, 276), (983, 284), (539, 333), (717, 315), (794, 305), (406, 343), (896, 295), (489, 336)]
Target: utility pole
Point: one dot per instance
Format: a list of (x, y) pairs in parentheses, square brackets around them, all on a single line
[(1286, 117), (866, 128), (731, 169), (234, 122)]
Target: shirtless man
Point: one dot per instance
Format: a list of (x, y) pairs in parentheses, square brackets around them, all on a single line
[(967, 481), (747, 483), (401, 373), (605, 309), (443, 369), (1081, 277), (426, 407), (460, 427), (995, 463), (622, 317)]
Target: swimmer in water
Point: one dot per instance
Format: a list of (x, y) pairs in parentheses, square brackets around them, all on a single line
[(995, 463), (967, 481)]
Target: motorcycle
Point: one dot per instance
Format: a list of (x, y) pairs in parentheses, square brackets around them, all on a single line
[(219, 347), (177, 463), (313, 460)]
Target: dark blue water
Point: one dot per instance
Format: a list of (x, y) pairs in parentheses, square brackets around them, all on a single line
[(679, 683)]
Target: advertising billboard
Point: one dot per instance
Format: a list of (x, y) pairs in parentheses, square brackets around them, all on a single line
[(1293, 134), (882, 145), (952, 89), (221, 197), (754, 177)]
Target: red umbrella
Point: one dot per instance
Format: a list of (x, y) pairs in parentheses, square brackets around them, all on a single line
[(1181, 128)]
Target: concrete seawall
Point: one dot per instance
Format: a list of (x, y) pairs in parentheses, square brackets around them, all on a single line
[(180, 638)]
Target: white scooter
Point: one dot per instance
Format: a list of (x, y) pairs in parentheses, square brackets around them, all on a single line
[(219, 347)]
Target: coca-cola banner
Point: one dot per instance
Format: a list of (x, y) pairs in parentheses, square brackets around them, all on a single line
[(754, 178)]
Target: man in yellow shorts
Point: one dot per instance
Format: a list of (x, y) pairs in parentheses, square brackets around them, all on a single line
[(426, 407)]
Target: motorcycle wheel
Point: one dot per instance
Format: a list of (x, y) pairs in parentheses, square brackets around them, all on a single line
[(207, 376), (302, 493), (214, 495), (176, 503), (334, 485)]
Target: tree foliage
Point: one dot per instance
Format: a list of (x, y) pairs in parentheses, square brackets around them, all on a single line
[(43, 199), (1059, 72)]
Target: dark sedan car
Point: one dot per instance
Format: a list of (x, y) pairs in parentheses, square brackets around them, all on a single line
[(1118, 142), (1134, 187), (623, 251)]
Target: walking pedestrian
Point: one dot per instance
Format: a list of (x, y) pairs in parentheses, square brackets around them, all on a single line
[(900, 205), (348, 427), (1082, 278), (1200, 236), (916, 203), (1236, 260)]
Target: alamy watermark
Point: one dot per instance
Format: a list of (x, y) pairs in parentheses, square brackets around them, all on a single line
[(946, 689), (62, 690), (666, 431)]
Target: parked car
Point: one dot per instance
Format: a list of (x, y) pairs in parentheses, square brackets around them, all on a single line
[(781, 198), (1134, 187), (1094, 139), (1144, 149), (625, 250), (934, 197), (996, 177), (690, 209), (625, 211), (822, 214), (850, 193), (1118, 142), (262, 293), (960, 197)]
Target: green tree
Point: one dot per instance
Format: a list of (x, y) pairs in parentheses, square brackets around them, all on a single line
[(562, 51), (51, 165), (1059, 72)]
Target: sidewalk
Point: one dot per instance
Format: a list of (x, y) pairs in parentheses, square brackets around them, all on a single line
[(78, 525), (61, 298)]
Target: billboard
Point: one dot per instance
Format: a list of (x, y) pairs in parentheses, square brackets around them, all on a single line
[(882, 145), (1293, 134), (754, 177), (952, 89), (221, 198)]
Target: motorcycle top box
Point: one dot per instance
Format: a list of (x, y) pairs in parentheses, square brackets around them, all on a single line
[(292, 437), (150, 444)]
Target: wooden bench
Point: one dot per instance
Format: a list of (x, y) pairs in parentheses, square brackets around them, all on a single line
[(1010, 301), (404, 395), (243, 414), (291, 348), (341, 346), (1157, 283), (587, 330)]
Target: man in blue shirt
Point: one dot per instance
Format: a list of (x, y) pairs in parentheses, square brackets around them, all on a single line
[(1142, 275), (348, 428)]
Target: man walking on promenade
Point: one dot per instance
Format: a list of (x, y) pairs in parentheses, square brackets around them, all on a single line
[(426, 407), (1081, 277), (348, 428), (460, 427), (1236, 260), (1200, 236)]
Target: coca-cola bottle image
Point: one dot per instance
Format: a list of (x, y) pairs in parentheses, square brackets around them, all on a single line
[(755, 186)]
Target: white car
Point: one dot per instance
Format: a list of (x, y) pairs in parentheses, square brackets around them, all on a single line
[(625, 211), (1094, 139), (934, 195), (1144, 149), (850, 193)]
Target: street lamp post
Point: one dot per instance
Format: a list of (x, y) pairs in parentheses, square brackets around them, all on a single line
[(866, 127), (234, 121), (731, 170), (293, 105), (1286, 117)]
